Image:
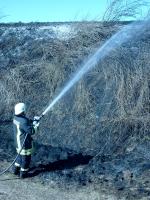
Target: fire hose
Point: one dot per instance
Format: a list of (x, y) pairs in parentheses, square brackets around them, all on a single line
[(4, 171)]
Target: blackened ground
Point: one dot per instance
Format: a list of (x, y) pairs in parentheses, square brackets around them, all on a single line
[(125, 174), (98, 134), (125, 171)]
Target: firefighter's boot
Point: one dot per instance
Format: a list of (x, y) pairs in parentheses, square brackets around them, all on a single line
[(16, 170), (24, 174)]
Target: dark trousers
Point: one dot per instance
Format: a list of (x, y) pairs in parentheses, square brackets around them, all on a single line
[(23, 162)]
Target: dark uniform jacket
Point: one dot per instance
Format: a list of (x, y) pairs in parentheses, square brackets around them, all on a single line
[(22, 127)]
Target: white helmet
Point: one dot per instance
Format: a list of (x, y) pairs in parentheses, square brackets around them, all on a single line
[(20, 108)]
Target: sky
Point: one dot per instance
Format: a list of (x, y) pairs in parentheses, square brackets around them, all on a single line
[(51, 10)]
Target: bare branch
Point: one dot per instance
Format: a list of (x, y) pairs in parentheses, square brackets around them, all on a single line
[(120, 9)]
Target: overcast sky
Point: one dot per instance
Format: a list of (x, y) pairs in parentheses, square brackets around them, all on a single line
[(51, 10)]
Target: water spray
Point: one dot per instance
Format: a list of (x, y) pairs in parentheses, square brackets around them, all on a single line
[(127, 33)]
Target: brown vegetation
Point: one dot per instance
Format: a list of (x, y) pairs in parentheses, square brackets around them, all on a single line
[(112, 100)]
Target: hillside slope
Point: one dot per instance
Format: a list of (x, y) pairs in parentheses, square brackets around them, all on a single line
[(105, 115)]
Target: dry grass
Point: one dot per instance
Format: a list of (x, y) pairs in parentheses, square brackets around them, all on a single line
[(108, 105), (121, 9)]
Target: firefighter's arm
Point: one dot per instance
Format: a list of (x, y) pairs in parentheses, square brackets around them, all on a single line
[(27, 127), (31, 126)]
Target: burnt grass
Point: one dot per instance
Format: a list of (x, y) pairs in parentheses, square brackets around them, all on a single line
[(98, 133)]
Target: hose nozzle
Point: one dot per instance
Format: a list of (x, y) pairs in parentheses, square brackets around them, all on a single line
[(38, 118), (41, 116)]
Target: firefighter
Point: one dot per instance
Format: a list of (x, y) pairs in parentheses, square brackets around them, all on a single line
[(23, 128)]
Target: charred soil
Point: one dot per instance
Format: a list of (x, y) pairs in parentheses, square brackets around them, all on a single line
[(95, 143)]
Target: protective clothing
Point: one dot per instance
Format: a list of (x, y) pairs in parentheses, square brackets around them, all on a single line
[(20, 108), (23, 127)]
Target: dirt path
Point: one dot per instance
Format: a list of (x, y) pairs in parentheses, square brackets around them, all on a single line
[(17, 189)]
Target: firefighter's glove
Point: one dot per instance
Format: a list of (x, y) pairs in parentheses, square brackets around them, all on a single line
[(36, 121), (36, 124), (36, 118)]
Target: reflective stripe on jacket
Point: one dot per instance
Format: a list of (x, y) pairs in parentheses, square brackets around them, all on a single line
[(22, 127)]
